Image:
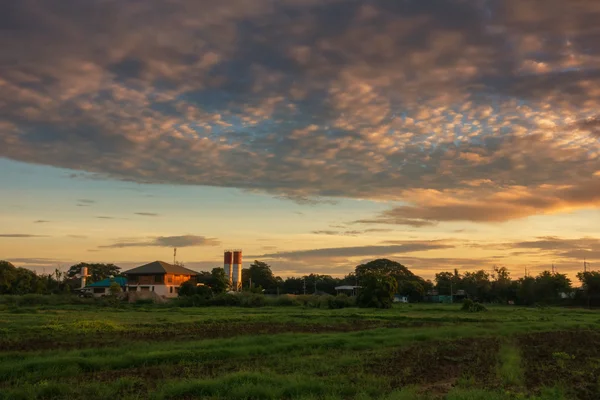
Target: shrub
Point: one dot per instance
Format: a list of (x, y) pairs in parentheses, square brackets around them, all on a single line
[(248, 299), (341, 301), (286, 301), (309, 300), (225, 299), (195, 300), (471, 306)]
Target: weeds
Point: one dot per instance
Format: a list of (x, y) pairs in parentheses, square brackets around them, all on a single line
[(471, 306)]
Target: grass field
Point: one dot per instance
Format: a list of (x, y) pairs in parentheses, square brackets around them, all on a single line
[(408, 352)]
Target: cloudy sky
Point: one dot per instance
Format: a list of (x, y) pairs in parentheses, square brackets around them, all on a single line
[(314, 134)]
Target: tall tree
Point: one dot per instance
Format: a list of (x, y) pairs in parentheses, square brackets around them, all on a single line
[(293, 285), (477, 285), (377, 290), (8, 274), (549, 286), (261, 275), (97, 272), (590, 282), (219, 282)]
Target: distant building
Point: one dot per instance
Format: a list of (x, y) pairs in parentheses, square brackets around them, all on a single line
[(101, 288), (159, 277), (347, 289), (398, 298)]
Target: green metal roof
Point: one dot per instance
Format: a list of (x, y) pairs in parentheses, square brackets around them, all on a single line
[(106, 282)]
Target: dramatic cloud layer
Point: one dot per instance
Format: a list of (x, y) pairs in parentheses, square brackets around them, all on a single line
[(19, 235), (483, 111), (361, 251), (167, 241)]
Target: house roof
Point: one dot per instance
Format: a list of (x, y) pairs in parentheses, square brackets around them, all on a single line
[(106, 282), (347, 287), (160, 267)]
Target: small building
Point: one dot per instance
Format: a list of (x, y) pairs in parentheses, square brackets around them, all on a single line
[(398, 298), (347, 289), (159, 277), (102, 288)]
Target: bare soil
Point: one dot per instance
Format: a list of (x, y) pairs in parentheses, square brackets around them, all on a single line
[(437, 366), (185, 332), (567, 358)]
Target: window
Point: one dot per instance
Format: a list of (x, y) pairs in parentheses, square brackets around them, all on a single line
[(99, 290), (158, 279), (171, 289)]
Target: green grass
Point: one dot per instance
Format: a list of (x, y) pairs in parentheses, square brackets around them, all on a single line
[(510, 369), (136, 352)]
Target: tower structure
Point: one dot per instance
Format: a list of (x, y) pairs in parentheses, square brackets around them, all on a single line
[(228, 266), (237, 270)]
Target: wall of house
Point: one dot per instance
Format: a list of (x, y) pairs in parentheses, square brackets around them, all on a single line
[(168, 291)]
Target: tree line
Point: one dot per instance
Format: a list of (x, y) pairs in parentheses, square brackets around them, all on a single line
[(492, 286)]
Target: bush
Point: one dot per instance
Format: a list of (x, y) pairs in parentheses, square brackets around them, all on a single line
[(225, 299), (252, 300), (471, 306), (309, 300), (341, 301), (195, 300), (286, 301)]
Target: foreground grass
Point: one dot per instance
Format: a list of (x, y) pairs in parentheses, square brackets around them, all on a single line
[(160, 353)]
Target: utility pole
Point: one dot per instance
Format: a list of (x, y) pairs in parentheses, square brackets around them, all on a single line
[(585, 264), (174, 255), (304, 284)]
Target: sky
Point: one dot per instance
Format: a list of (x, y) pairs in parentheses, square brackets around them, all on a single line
[(313, 134)]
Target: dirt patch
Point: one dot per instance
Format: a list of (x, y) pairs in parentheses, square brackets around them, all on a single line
[(437, 366), (567, 358), (193, 331)]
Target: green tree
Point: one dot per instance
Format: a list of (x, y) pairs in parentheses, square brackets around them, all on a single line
[(386, 267), (502, 285), (549, 286), (526, 291), (15, 280), (293, 285), (219, 281), (377, 290), (477, 285), (97, 272), (261, 275), (114, 289), (414, 289), (405, 279), (590, 282), (8, 274), (445, 283)]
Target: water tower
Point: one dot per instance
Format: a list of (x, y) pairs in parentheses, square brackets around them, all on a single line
[(232, 264)]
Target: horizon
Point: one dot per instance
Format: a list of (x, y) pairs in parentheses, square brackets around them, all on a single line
[(314, 135)]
